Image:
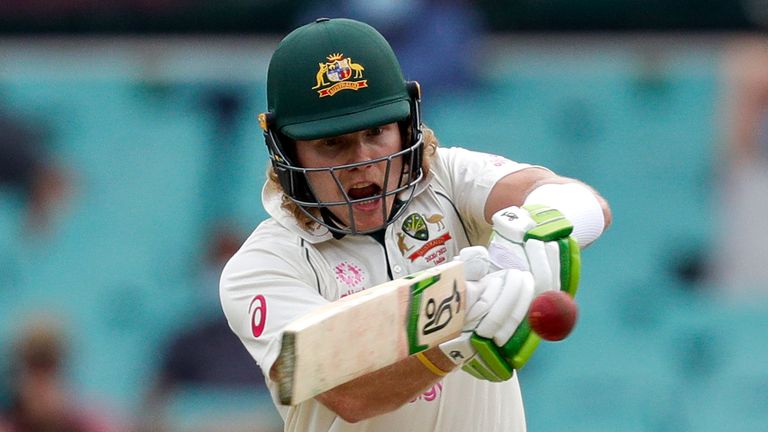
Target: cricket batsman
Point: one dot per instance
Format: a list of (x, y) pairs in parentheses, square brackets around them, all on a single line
[(360, 192)]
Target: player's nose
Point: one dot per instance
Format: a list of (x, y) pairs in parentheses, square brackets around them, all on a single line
[(360, 151)]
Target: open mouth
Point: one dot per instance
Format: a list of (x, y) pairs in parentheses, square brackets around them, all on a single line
[(361, 191)]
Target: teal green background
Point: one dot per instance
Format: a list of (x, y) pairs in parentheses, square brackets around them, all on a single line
[(639, 120)]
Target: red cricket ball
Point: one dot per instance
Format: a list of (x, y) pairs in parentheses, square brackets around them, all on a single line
[(553, 315)]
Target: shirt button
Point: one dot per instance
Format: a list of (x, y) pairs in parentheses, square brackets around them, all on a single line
[(398, 269)]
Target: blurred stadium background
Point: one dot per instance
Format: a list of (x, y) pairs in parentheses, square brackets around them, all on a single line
[(149, 109)]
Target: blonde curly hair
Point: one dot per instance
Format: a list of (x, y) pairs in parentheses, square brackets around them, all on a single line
[(430, 148)]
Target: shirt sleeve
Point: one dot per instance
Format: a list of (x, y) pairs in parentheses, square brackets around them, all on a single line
[(264, 287), (468, 178)]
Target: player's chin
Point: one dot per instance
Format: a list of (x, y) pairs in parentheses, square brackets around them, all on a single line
[(369, 215), (367, 220)]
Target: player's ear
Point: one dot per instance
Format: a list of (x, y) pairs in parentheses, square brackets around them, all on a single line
[(405, 132), (289, 148)]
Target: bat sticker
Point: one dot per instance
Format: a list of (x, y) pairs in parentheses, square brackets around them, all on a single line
[(440, 316)]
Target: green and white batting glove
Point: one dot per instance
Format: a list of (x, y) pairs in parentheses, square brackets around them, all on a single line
[(534, 238), (498, 303)]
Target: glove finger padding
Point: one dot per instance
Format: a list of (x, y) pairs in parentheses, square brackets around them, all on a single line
[(544, 259), (481, 296), (476, 262), (481, 291), (509, 308)]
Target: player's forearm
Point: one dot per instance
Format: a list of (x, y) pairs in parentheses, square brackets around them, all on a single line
[(384, 390)]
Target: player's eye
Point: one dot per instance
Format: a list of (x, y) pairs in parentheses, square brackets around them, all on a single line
[(330, 143), (374, 131)]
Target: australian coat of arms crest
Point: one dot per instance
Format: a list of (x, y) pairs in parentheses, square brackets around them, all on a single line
[(339, 73)]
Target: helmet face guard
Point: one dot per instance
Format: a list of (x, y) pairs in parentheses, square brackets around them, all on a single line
[(297, 186)]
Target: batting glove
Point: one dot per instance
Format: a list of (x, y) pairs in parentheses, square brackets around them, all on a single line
[(497, 304), (538, 239)]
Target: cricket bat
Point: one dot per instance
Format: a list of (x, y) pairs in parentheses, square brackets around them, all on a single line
[(369, 330)]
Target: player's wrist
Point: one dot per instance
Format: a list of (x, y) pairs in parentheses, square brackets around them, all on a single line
[(478, 357), (435, 361), (577, 203)]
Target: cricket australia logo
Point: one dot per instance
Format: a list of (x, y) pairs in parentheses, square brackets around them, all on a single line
[(338, 74), (415, 226)]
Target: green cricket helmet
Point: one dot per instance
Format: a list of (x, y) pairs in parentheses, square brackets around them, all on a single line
[(332, 77)]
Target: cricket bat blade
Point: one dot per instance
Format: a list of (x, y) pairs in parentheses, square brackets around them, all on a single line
[(369, 330)]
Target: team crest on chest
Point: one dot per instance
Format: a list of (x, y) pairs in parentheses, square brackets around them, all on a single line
[(431, 250), (337, 74), (415, 226)]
